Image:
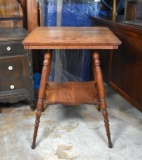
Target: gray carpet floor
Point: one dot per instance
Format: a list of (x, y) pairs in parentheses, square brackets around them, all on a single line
[(71, 132)]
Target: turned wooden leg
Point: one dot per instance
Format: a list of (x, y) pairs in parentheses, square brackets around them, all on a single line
[(43, 84), (100, 86), (98, 107)]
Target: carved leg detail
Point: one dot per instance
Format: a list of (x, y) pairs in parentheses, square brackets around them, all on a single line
[(106, 121), (100, 86), (41, 94), (37, 121)]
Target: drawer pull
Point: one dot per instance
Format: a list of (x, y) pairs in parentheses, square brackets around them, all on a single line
[(12, 87), (10, 68), (8, 48)]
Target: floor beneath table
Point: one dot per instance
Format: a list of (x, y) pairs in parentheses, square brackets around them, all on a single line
[(72, 133)]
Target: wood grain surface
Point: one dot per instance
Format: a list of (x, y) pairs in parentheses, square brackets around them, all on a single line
[(72, 93), (71, 38), (10, 9)]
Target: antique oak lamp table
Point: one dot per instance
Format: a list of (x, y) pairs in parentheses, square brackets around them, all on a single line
[(71, 93)]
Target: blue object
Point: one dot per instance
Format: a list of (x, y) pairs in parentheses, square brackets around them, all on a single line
[(36, 78), (72, 14), (104, 13), (75, 62)]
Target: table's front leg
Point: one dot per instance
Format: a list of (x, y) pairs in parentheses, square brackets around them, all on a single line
[(41, 94), (100, 85)]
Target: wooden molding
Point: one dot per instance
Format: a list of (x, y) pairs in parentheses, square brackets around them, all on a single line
[(32, 14)]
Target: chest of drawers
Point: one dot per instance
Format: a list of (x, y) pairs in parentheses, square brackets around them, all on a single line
[(16, 77)]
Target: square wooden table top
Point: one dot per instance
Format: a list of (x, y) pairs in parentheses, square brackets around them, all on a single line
[(71, 38)]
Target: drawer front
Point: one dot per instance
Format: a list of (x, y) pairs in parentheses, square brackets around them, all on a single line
[(14, 66), (11, 48), (12, 84)]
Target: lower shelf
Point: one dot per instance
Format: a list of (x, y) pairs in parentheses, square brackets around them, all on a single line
[(72, 93)]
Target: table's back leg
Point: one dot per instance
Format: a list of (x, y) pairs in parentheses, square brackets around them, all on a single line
[(100, 86), (98, 106), (41, 94)]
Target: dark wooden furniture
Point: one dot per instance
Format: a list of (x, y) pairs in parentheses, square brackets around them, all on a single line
[(16, 79), (133, 12), (11, 14), (21, 13), (74, 93), (122, 68)]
